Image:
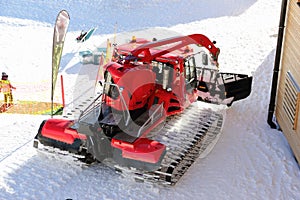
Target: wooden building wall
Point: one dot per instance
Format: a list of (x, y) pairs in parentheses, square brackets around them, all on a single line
[(288, 95)]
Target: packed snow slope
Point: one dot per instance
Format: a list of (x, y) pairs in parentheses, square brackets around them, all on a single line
[(129, 14), (250, 161)]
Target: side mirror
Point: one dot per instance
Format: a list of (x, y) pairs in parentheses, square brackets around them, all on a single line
[(204, 59)]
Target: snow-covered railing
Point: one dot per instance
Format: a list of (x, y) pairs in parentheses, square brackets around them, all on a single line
[(157, 114), (124, 105), (92, 111)]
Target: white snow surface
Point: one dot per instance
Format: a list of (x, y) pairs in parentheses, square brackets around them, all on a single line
[(250, 161)]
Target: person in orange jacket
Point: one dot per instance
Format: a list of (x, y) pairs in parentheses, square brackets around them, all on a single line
[(6, 89)]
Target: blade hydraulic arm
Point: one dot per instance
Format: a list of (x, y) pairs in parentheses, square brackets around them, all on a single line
[(179, 42)]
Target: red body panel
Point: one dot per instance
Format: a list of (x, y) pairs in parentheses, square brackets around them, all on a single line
[(137, 83), (59, 129), (142, 149)]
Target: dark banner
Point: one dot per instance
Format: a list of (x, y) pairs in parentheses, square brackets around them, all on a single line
[(60, 30)]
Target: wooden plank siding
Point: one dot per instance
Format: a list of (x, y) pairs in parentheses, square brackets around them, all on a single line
[(290, 62)]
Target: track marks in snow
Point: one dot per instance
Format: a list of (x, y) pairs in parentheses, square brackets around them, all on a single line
[(15, 134), (58, 176), (26, 168)]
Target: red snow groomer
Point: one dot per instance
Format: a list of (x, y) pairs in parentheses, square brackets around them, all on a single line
[(145, 123)]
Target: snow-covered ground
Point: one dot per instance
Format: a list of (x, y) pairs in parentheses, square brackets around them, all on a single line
[(250, 161)]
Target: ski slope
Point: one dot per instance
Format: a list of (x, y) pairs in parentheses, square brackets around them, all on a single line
[(250, 161)]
